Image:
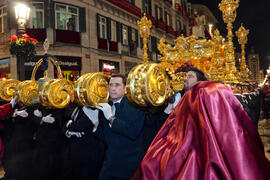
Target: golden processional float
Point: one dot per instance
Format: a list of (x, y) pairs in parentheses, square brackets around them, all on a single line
[(153, 83), (89, 89)]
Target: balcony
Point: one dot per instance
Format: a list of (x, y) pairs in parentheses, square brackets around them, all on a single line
[(168, 1), (151, 18), (170, 30), (125, 50), (160, 24), (178, 33), (113, 46), (102, 44), (133, 49), (65, 36), (38, 34), (127, 6)]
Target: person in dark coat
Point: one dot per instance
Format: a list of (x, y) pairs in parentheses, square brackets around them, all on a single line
[(251, 102), (155, 118), (121, 129), (48, 143), (85, 151), (19, 150)]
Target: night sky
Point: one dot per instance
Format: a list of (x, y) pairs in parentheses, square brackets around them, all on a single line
[(255, 16)]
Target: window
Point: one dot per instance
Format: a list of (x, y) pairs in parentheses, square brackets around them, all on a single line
[(113, 31), (3, 19), (178, 25), (67, 17), (125, 35), (133, 34), (36, 16), (159, 13), (146, 6), (168, 19), (189, 8), (102, 27)]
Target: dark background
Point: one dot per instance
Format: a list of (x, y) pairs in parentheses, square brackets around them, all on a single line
[(255, 16)]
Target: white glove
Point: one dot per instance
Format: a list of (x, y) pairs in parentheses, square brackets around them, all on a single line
[(21, 113), (68, 123), (48, 119), (37, 113), (177, 99), (106, 109), (72, 133), (171, 106), (13, 101)]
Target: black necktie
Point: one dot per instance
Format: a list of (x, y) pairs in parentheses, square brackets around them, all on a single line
[(117, 106)]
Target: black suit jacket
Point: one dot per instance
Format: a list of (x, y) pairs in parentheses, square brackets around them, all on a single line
[(88, 148), (124, 140)]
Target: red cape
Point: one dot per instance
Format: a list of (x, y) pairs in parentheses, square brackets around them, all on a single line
[(5, 112), (207, 136)]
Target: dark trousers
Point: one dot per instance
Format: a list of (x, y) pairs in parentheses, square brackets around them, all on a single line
[(47, 162)]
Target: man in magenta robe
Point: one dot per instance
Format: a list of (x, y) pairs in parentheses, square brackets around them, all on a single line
[(207, 136)]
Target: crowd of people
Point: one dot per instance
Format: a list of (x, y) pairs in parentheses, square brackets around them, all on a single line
[(203, 132)]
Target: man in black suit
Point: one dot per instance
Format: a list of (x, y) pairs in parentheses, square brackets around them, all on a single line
[(120, 125), (85, 151)]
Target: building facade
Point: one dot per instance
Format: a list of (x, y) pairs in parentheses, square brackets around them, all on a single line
[(92, 35), (253, 62)]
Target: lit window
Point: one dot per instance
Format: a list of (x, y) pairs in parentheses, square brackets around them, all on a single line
[(67, 17), (102, 27), (168, 19), (37, 15), (178, 25), (113, 31), (125, 35), (133, 35), (159, 13)]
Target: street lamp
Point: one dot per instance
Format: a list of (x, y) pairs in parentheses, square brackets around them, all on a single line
[(22, 15), (22, 12)]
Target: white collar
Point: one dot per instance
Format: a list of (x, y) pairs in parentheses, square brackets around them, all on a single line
[(118, 101)]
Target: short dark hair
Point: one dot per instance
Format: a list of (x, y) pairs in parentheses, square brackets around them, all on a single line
[(121, 76), (200, 75)]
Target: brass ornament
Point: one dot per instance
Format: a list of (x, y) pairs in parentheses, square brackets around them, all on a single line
[(92, 89), (26, 91), (7, 89), (56, 93), (242, 33), (145, 26), (148, 84)]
